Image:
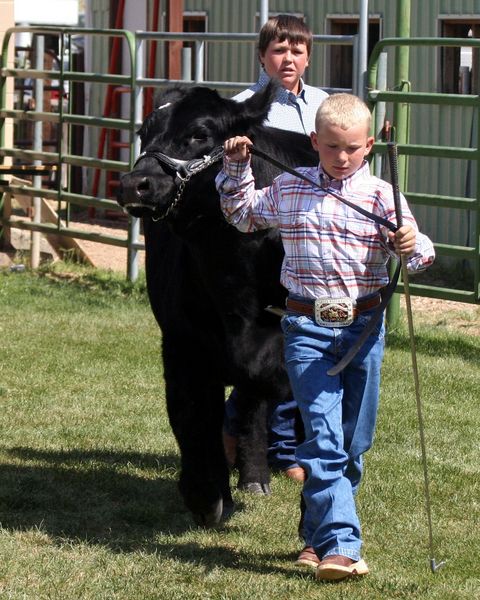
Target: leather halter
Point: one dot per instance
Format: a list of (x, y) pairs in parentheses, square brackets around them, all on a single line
[(182, 170)]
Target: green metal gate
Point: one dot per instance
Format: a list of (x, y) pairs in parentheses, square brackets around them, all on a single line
[(133, 85), (63, 160), (401, 98)]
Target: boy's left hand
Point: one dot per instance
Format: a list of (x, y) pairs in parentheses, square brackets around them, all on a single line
[(403, 240)]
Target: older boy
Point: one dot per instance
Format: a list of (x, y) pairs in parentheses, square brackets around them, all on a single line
[(334, 257), (284, 50)]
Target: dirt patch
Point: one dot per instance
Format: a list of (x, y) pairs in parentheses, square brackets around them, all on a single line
[(107, 256), (453, 316), (103, 256)]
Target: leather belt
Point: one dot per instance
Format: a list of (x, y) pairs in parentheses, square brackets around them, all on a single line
[(308, 308)]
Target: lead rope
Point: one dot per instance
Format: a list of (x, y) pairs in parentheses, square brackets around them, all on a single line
[(380, 220), (393, 158)]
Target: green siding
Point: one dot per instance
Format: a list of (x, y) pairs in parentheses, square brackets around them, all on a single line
[(237, 61)]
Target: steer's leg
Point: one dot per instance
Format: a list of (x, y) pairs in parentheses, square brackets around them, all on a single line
[(254, 474), (195, 405)]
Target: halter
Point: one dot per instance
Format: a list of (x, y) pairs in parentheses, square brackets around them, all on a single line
[(182, 170)]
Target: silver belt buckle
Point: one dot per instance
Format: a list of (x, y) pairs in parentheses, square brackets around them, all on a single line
[(334, 312)]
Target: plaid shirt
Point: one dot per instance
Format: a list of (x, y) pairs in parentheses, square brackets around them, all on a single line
[(330, 249), (289, 111)]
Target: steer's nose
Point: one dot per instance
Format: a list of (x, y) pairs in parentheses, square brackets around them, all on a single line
[(143, 188), (134, 189)]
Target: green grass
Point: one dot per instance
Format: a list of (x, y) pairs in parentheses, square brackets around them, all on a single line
[(89, 507)]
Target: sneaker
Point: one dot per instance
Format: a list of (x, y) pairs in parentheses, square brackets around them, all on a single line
[(308, 558)]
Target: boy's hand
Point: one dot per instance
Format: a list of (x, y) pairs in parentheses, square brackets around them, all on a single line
[(236, 148), (403, 240)]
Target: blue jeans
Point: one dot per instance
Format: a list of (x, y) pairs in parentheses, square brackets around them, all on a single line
[(339, 416), (282, 441)]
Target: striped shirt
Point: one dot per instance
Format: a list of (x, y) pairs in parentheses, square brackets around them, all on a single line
[(330, 249), (289, 111)]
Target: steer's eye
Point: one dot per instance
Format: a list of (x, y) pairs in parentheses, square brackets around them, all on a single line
[(198, 135)]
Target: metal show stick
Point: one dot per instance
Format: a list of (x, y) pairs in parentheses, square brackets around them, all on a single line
[(393, 160)]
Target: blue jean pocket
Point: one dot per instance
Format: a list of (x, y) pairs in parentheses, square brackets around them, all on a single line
[(379, 329), (290, 322)]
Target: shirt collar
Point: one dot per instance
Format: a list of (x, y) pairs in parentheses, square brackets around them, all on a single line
[(340, 184), (283, 95)]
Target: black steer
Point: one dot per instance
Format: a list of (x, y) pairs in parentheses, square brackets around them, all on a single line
[(209, 286)]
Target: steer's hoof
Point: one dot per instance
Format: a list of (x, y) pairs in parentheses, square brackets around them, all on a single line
[(228, 510), (255, 487), (212, 518)]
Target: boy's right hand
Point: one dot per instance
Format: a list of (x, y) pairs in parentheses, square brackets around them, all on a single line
[(236, 148)]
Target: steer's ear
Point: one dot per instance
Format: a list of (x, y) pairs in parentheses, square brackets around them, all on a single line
[(256, 108)]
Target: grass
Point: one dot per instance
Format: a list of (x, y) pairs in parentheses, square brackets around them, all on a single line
[(89, 507)]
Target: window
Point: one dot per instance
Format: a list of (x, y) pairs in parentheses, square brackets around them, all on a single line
[(194, 23), (459, 66), (340, 58)]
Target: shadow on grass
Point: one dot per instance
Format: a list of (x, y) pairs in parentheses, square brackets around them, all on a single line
[(435, 345), (86, 496), (225, 555), (90, 496)]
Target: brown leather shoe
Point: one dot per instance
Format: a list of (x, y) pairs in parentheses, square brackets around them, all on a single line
[(308, 558), (336, 567), (295, 473)]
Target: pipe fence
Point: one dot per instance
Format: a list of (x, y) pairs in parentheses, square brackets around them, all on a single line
[(63, 159), (378, 96)]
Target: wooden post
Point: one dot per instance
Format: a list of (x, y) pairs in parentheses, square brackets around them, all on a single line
[(174, 49)]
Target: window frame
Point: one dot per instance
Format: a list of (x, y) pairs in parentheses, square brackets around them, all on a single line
[(449, 59), (331, 54)]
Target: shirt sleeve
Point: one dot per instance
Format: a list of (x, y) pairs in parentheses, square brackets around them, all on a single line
[(243, 206), (424, 253)]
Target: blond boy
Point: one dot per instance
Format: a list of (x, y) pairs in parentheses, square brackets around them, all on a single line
[(334, 269)]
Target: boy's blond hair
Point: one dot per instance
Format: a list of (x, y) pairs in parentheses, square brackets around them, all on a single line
[(344, 111)]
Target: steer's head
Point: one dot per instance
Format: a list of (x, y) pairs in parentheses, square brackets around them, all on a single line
[(188, 123)]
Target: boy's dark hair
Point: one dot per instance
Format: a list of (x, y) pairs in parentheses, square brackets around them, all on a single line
[(284, 27)]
